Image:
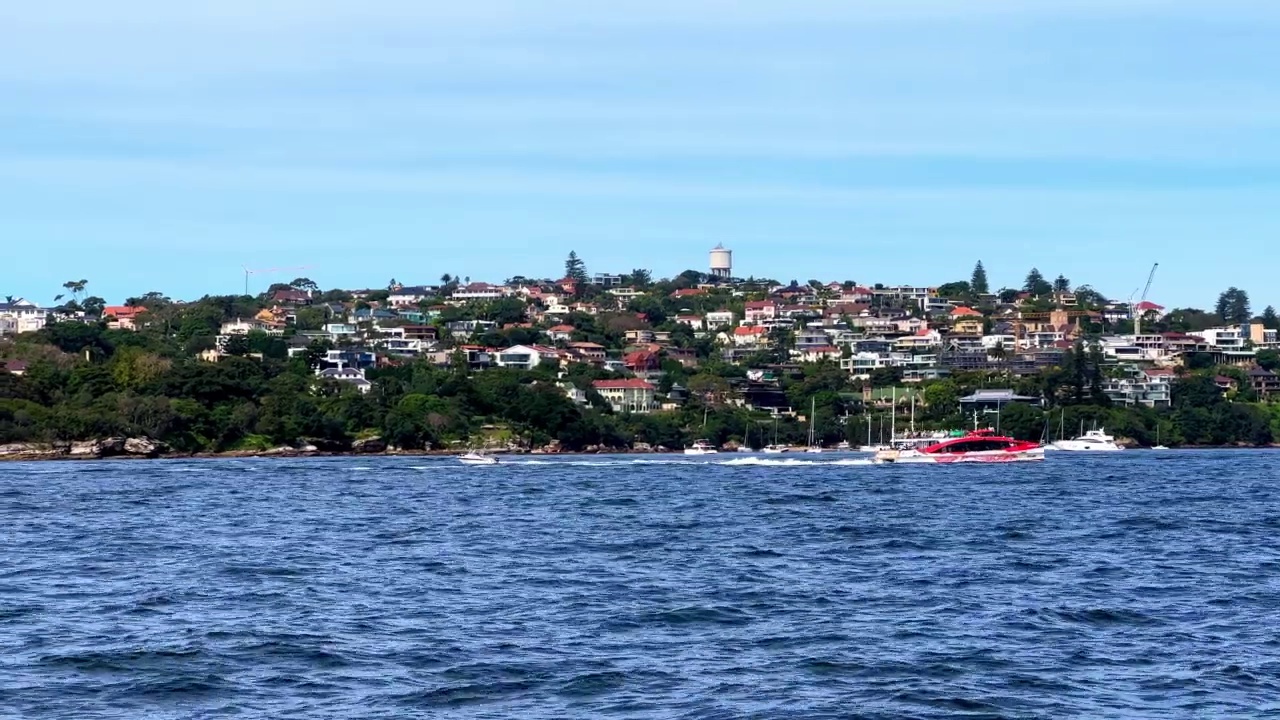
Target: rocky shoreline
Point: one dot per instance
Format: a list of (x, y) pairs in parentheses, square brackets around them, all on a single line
[(120, 448)]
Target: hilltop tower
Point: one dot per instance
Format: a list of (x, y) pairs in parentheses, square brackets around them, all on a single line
[(721, 262)]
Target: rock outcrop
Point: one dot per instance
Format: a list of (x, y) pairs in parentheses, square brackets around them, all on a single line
[(369, 445)]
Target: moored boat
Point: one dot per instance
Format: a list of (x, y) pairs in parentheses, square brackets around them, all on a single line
[(1091, 441), (701, 447), (979, 446)]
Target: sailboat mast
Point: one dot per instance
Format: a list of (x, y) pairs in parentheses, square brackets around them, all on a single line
[(893, 416)]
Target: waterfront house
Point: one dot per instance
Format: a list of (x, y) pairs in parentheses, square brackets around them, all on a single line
[(629, 395)]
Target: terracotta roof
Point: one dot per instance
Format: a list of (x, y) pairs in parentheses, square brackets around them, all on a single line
[(962, 311), (627, 384), (742, 330), (688, 292), (1147, 305), (561, 329), (121, 312)]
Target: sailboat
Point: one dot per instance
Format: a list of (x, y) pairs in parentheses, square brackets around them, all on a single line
[(1158, 446), (775, 448), (814, 447)]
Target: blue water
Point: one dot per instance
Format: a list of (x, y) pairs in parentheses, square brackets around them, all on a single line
[(1139, 585)]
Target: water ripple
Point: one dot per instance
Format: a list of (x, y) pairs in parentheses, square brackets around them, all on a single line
[(1130, 586)]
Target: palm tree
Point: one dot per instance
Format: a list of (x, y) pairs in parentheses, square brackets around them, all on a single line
[(445, 279)]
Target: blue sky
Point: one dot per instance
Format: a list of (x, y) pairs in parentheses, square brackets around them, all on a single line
[(148, 145)]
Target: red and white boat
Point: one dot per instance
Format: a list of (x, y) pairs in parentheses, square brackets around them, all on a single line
[(979, 446)]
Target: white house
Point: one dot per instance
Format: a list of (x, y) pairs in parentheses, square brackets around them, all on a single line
[(241, 326), (347, 375), (1223, 338), (20, 316), (525, 357), (409, 296), (480, 291), (630, 395), (719, 318)]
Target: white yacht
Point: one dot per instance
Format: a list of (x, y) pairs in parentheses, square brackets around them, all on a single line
[(478, 458), (701, 447), (1091, 441)]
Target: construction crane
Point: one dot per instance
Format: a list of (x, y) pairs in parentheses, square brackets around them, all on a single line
[(264, 271), (1137, 316)]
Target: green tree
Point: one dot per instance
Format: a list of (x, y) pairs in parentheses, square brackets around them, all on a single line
[(1233, 306), (955, 290), (978, 283), (1036, 284), (641, 278), (1269, 318), (1061, 284), (575, 269)]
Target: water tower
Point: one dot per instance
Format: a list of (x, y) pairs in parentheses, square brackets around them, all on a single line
[(721, 262)]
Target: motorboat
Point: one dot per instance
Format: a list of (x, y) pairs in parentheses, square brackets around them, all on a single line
[(775, 449), (1091, 441), (844, 446), (701, 447), (478, 458), (979, 446)]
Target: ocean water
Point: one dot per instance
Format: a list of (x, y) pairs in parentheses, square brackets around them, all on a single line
[(1137, 585)]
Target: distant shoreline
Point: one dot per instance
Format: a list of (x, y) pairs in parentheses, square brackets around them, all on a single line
[(54, 455)]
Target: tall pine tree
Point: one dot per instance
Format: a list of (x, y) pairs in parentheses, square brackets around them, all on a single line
[(575, 269), (978, 283)]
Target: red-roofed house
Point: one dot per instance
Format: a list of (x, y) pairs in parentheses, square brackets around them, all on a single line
[(966, 321), (629, 395), (744, 336), (588, 350), (1146, 308), (122, 317), (642, 361), (291, 297), (759, 311), (560, 333), (16, 367), (688, 292)]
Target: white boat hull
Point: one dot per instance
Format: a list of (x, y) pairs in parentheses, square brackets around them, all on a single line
[(700, 451), (915, 457), (1073, 446), (478, 460)]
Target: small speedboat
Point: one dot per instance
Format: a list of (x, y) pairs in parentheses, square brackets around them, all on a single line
[(844, 446), (477, 458), (775, 449), (701, 447), (813, 449)]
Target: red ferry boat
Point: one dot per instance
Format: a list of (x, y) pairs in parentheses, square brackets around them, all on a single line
[(982, 446)]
